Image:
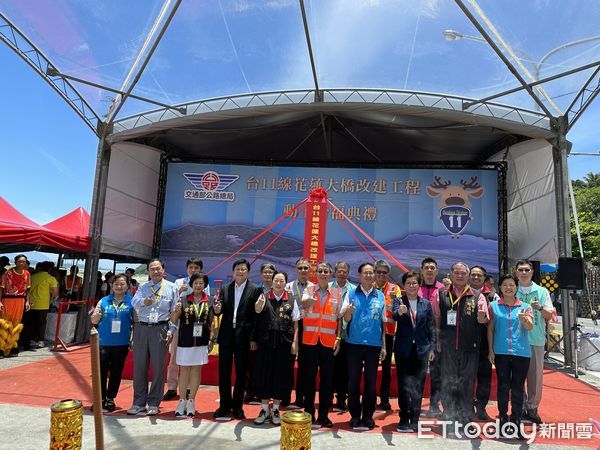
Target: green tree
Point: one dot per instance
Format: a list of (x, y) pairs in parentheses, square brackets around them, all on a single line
[(587, 200)]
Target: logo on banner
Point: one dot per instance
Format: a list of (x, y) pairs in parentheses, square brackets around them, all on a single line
[(455, 205), (210, 186)]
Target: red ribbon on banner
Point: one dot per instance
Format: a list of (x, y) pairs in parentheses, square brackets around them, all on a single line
[(314, 229)]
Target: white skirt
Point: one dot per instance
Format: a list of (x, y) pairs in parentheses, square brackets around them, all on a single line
[(192, 356)]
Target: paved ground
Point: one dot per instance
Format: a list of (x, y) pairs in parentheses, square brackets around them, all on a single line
[(29, 427)]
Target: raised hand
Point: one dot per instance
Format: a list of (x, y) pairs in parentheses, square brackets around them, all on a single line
[(403, 309), (217, 307), (97, 314), (148, 301), (481, 313), (351, 308), (184, 287), (535, 304), (522, 315), (178, 307)]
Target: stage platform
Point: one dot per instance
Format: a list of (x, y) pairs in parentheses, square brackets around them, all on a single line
[(68, 375)]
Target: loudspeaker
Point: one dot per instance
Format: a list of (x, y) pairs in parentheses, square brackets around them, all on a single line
[(571, 273)]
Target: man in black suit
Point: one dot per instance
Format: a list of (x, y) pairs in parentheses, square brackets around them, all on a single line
[(235, 305)]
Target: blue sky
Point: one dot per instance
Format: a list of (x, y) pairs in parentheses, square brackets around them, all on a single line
[(49, 154)]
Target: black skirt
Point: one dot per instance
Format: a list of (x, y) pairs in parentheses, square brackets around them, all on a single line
[(271, 375)]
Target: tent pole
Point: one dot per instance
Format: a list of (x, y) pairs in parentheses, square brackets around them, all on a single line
[(97, 213), (560, 149)]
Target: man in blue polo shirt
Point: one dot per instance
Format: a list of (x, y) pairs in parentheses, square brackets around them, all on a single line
[(363, 310)]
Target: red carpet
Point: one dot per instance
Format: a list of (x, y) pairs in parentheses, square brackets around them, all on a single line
[(566, 400)]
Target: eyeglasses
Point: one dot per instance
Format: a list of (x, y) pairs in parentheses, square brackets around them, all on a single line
[(322, 271), (382, 272), (303, 268), (524, 269)]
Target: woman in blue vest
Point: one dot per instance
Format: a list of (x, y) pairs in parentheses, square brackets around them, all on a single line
[(113, 317), (194, 343), (276, 333), (413, 349), (509, 350)]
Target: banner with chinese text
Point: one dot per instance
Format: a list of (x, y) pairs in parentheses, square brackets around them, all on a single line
[(212, 210)]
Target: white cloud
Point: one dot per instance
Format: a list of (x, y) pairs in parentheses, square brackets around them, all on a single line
[(55, 162)]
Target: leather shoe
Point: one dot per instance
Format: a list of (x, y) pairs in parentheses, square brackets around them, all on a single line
[(221, 412), (239, 414), (170, 394), (325, 422)]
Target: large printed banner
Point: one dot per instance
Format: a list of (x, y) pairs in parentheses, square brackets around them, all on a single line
[(213, 210)]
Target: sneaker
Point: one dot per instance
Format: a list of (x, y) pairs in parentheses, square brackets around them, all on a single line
[(275, 419), (239, 414), (41, 344), (534, 416), (191, 407), (170, 394), (109, 405), (152, 411), (180, 410), (221, 414), (355, 423), (404, 427), (263, 417), (136, 409)]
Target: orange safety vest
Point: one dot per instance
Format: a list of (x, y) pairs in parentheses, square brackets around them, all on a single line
[(69, 281), (390, 324), (320, 323)]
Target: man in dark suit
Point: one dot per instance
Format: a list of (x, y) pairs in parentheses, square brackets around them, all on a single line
[(235, 305)]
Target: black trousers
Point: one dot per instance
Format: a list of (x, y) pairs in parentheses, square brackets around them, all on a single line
[(458, 383), (112, 361), (511, 372), (359, 358), (228, 354), (435, 380), (484, 374), (318, 357), (250, 391), (340, 373), (270, 373), (410, 373), (300, 373), (386, 370)]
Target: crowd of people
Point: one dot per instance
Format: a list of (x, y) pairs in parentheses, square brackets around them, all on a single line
[(28, 294), (338, 333)]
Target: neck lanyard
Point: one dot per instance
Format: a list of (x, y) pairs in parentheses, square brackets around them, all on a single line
[(158, 291), (197, 310), (116, 305), (454, 302), (298, 290)]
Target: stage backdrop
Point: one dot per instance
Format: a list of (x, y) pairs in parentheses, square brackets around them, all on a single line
[(212, 210)]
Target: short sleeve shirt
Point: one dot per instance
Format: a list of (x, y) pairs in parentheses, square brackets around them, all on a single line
[(41, 284), (14, 284)]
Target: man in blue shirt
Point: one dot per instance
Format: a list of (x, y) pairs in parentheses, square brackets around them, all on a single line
[(363, 310), (153, 302)]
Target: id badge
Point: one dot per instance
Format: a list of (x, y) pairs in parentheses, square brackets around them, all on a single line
[(197, 330), (115, 326), (451, 318), (153, 317)]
